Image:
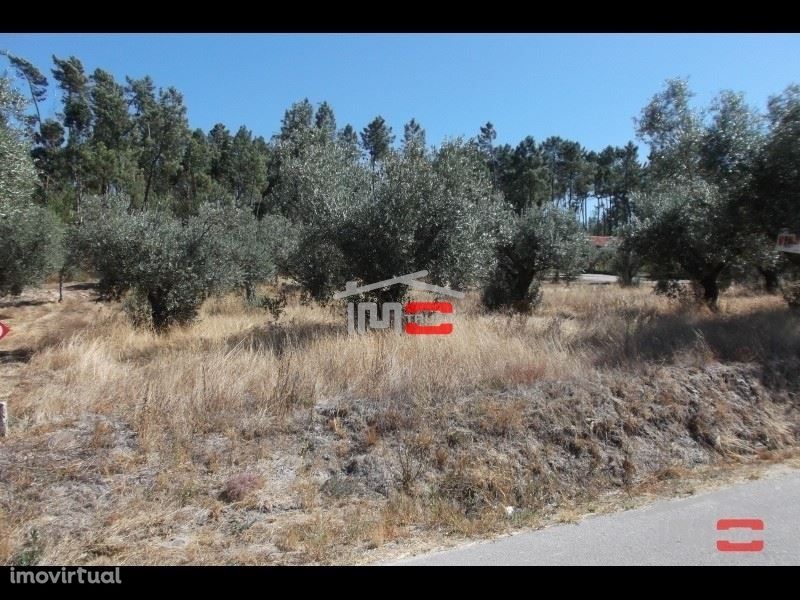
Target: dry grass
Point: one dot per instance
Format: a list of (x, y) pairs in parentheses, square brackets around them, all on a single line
[(239, 440)]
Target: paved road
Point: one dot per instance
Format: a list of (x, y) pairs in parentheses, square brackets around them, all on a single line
[(597, 278), (668, 532)]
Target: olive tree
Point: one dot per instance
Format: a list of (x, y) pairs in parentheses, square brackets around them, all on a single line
[(432, 211), (30, 236), (255, 248), (30, 247), (626, 261), (17, 172), (319, 187), (533, 242), (701, 164), (417, 210), (167, 263), (689, 226)]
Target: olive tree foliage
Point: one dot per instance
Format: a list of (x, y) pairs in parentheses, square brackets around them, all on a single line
[(105, 242), (319, 187), (30, 236), (776, 187), (687, 226), (775, 199), (255, 249), (531, 243), (432, 211), (627, 260), (30, 246), (407, 212), (700, 167), (673, 130), (171, 265), (17, 172)]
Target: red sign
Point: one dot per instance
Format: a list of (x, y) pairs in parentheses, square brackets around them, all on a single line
[(751, 546), (420, 307), (4, 329)]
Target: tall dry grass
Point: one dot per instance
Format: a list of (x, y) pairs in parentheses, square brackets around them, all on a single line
[(164, 424)]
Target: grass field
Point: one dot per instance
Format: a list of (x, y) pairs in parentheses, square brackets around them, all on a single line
[(244, 440)]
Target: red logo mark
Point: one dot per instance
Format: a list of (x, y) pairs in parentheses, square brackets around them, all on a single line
[(418, 307), (4, 329), (751, 546)]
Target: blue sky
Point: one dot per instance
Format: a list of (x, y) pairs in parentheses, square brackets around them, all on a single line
[(586, 87)]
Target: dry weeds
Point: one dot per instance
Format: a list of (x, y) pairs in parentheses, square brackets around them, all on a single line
[(240, 440)]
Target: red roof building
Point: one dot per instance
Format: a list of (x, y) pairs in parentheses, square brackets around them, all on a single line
[(602, 241)]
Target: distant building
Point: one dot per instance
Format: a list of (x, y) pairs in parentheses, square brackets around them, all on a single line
[(788, 242), (602, 241)]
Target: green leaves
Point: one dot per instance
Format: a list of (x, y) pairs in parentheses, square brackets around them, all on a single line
[(17, 174), (377, 138), (30, 236), (30, 246), (700, 168), (174, 264), (533, 242), (417, 210), (774, 199)]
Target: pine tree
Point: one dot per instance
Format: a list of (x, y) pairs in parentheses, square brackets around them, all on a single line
[(377, 139), (413, 137), (325, 120)]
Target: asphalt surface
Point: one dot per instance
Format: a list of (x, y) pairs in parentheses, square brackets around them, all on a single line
[(668, 532), (597, 278)]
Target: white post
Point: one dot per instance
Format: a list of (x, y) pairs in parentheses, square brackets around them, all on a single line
[(3, 420)]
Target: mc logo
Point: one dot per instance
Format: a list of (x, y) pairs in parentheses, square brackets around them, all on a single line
[(392, 313), (751, 524)]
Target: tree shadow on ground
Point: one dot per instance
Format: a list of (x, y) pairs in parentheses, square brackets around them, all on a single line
[(81, 286), (278, 338), (21, 355), (763, 338), (20, 303)]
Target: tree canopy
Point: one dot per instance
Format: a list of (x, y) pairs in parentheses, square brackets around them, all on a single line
[(171, 214)]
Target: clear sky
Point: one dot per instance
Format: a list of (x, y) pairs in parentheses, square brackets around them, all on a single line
[(586, 87)]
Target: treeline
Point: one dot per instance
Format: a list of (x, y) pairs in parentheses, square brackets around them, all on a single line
[(118, 184)]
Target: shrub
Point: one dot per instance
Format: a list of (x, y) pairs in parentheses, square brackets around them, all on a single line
[(238, 487), (31, 552), (172, 264), (274, 306), (673, 290), (30, 247), (535, 241)]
